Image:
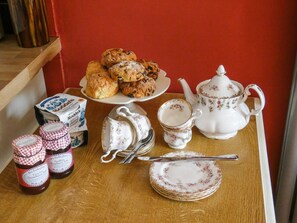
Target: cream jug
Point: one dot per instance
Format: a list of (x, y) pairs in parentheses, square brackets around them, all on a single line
[(222, 102)]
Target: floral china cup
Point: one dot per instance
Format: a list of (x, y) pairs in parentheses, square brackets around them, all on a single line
[(222, 102), (140, 123), (177, 117), (177, 139), (116, 136)]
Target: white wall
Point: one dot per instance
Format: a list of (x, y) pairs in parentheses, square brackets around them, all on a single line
[(18, 117)]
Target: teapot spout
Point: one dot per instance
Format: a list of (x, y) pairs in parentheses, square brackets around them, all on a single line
[(190, 97)]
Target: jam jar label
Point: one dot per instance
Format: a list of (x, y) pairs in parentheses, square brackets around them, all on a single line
[(59, 163), (33, 177)]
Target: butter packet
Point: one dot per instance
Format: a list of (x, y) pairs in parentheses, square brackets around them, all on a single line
[(68, 109), (79, 135)]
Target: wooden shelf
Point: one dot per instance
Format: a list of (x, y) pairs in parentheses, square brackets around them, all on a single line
[(19, 65)]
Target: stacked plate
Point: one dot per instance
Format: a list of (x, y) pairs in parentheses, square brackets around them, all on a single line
[(185, 180)]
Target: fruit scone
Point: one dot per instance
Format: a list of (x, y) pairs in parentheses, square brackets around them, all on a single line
[(151, 67), (138, 89), (127, 71), (113, 56)]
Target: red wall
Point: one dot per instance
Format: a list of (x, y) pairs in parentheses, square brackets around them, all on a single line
[(255, 40)]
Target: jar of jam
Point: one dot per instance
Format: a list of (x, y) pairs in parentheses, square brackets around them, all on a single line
[(32, 170), (57, 142)]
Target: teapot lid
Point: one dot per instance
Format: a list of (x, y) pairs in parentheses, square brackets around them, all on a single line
[(220, 86)]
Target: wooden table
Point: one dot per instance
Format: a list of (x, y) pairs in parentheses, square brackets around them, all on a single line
[(97, 192)]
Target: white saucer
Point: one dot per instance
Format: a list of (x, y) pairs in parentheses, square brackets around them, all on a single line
[(185, 180)]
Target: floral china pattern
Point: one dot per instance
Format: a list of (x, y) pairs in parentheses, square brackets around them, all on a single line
[(118, 140), (179, 107), (217, 104), (179, 138), (121, 137), (141, 123), (216, 88), (207, 175)]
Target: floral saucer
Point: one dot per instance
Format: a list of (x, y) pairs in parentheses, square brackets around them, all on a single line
[(185, 180)]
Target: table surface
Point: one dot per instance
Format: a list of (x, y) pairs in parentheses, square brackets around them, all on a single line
[(113, 192)]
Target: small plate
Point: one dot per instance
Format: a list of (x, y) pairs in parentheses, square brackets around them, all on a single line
[(162, 84), (185, 180)]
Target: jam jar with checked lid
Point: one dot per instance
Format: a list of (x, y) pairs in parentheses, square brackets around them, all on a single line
[(57, 142), (31, 166)]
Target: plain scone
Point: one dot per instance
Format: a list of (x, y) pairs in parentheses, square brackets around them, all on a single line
[(99, 86), (94, 67)]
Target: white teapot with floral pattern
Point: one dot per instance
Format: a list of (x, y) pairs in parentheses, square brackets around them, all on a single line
[(221, 101)]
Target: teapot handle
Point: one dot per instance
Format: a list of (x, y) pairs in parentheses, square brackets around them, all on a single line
[(261, 96)]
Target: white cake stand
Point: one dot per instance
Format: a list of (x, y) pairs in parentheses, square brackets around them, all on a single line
[(162, 84)]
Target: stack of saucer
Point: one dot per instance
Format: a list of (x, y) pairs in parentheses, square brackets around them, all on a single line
[(185, 180)]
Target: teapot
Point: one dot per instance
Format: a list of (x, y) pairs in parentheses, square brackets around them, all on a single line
[(222, 102)]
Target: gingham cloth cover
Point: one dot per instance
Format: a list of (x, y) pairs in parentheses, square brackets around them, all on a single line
[(55, 136), (28, 150)]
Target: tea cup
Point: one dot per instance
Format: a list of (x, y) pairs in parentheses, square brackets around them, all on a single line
[(177, 117), (140, 123), (177, 139), (116, 136)]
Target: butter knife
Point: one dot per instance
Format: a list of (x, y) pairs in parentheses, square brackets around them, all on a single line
[(227, 157)]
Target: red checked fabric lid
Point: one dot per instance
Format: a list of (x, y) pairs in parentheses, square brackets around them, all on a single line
[(28, 150), (55, 135)]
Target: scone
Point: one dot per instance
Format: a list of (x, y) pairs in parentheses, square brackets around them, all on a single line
[(139, 89), (99, 86), (151, 67), (127, 71), (94, 67), (115, 55)]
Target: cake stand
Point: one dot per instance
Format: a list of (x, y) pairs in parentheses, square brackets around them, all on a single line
[(162, 84)]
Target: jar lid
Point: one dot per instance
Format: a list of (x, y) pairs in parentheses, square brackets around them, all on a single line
[(55, 135), (53, 130), (220, 86), (28, 150)]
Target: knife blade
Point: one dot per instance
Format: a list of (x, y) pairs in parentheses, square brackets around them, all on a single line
[(228, 157)]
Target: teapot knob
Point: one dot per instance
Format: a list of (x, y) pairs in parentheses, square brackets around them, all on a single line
[(221, 70)]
